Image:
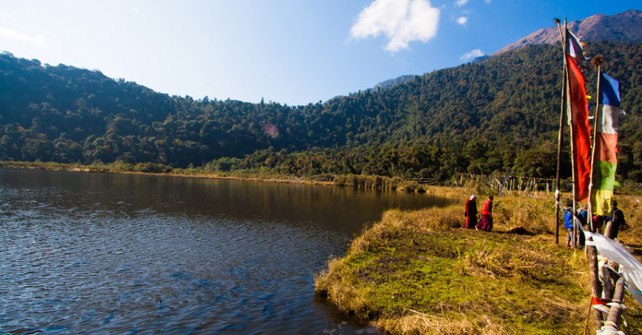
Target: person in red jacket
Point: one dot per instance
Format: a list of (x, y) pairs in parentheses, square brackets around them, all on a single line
[(486, 222), (471, 212)]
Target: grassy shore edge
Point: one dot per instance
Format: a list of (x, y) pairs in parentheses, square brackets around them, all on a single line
[(158, 170), (365, 182), (419, 272)]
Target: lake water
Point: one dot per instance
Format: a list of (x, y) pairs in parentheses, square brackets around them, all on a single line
[(89, 253)]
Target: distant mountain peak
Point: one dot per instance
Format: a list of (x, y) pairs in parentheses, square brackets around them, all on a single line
[(623, 27), (396, 81)]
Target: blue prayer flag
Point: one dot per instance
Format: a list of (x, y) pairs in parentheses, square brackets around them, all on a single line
[(609, 91)]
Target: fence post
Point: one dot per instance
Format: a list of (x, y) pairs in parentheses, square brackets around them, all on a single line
[(596, 287), (613, 319)]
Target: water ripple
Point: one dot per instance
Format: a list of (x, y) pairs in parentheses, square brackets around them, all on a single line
[(87, 254)]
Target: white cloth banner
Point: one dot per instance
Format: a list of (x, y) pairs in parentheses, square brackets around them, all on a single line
[(630, 267)]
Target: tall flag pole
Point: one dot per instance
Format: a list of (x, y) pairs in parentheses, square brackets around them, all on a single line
[(569, 115), (560, 136), (597, 62), (603, 165), (579, 126)]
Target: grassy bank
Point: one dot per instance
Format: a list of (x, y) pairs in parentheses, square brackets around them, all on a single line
[(164, 170), (419, 272), (263, 175)]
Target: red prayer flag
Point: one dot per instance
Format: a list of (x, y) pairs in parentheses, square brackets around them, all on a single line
[(578, 119)]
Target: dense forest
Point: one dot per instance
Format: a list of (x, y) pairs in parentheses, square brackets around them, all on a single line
[(493, 115)]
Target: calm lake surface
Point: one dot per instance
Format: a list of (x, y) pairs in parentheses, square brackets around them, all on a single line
[(125, 254)]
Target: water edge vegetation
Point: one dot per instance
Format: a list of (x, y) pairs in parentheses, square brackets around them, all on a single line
[(419, 272)]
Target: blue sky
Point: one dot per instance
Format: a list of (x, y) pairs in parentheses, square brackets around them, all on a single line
[(288, 51)]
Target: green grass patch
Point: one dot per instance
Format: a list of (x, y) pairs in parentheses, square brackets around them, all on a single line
[(418, 272)]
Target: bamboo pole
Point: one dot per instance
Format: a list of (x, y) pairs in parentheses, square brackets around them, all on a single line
[(570, 128), (613, 319), (560, 136), (607, 284), (597, 62), (501, 191), (596, 286)]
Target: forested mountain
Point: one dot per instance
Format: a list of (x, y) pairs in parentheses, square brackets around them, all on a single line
[(500, 113)]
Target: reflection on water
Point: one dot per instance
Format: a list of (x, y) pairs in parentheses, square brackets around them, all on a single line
[(96, 253)]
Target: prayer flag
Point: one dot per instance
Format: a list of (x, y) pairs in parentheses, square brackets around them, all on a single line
[(609, 91), (606, 145), (577, 103), (574, 47)]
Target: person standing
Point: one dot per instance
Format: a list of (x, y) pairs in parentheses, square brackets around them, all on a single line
[(569, 225), (598, 222), (582, 218), (582, 215), (486, 222), (615, 223), (471, 212)]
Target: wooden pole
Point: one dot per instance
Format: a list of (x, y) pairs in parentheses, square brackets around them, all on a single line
[(596, 286), (504, 182), (597, 62), (560, 135), (613, 319), (607, 284), (570, 128)]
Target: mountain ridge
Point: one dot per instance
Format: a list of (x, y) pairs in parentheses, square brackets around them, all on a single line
[(496, 114), (622, 27)]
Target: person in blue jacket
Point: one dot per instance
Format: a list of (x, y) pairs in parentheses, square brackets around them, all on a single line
[(568, 224)]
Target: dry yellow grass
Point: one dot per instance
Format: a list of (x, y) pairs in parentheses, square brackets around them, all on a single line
[(419, 272)]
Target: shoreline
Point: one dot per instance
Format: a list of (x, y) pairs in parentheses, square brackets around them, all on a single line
[(110, 169), (363, 182), (420, 272)]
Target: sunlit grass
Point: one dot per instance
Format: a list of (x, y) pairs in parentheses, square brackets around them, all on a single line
[(419, 272)]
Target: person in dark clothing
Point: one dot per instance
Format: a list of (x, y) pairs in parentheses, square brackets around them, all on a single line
[(471, 212), (615, 222), (582, 215), (598, 223)]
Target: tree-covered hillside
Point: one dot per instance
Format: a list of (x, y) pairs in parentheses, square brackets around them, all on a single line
[(488, 116)]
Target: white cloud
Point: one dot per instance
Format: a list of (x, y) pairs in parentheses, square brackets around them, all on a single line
[(462, 20), (402, 21), (461, 3), (472, 54), (22, 37)]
